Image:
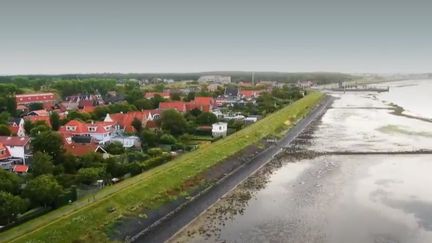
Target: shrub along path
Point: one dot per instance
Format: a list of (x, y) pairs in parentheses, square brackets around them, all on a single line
[(90, 218)]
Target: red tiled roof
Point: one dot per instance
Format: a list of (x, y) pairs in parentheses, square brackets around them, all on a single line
[(165, 95), (250, 93), (151, 124), (80, 127), (86, 103), (202, 107), (78, 149), (14, 129), (14, 141), (32, 98), (22, 107), (83, 128), (48, 105), (204, 100), (4, 152), (87, 109), (125, 119), (180, 106), (20, 168), (40, 112)]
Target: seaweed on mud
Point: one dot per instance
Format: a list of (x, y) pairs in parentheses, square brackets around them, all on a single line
[(234, 203)]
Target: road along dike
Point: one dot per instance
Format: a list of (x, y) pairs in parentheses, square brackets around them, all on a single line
[(226, 177)]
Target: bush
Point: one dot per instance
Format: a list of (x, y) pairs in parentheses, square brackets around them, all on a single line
[(115, 148), (168, 139), (153, 152), (90, 175), (153, 162)]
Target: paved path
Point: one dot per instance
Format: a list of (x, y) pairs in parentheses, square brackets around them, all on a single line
[(169, 225)]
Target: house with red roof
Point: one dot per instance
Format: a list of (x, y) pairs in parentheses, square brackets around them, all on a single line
[(204, 100), (124, 120), (16, 126), (204, 104), (179, 106), (165, 94), (24, 99), (201, 103), (18, 147), (6, 160), (249, 94), (80, 149), (4, 152), (99, 131)]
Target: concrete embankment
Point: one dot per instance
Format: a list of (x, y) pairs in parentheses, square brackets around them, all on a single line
[(164, 228)]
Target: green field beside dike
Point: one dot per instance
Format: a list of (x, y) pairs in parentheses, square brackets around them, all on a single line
[(89, 219)]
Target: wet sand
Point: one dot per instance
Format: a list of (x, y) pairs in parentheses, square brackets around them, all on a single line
[(335, 198)]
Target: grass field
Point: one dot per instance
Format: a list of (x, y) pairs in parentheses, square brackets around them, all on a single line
[(89, 221)]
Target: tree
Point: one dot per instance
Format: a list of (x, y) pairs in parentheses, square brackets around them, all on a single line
[(9, 182), (90, 175), (143, 104), (168, 139), (10, 207), (115, 168), (206, 118), (42, 164), (133, 95), (92, 159), (43, 190), (173, 122), (175, 96), (195, 112), (4, 117), (55, 121), (75, 115), (28, 125), (4, 130), (149, 138), (190, 96), (50, 143), (115, 148), (39, 129), (137, 124), (154, 152), (156, 100), (136, 156)]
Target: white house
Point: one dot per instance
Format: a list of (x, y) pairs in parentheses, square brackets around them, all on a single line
[(100, 131), (127, 141), (215, 78), (219, 129), (19, 147)]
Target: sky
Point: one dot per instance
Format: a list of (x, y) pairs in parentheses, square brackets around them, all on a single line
[(98, 36)]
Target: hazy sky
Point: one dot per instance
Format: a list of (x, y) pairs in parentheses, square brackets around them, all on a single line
[(81, 36)]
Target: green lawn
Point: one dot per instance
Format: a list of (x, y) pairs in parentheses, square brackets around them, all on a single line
[(88, 221)]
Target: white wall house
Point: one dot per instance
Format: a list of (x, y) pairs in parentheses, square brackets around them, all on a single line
[(127, 141), (19, 147), (219, 129), (215, 78)]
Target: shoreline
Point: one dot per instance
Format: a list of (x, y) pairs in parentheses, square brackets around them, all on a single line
[(172, 223)]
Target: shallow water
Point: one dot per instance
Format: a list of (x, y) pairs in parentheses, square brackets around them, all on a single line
[(338, 198)]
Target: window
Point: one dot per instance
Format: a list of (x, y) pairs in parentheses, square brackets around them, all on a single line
[(70, 128), (92, 129)]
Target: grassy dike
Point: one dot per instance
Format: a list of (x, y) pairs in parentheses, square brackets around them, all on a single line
[(89, 221)]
